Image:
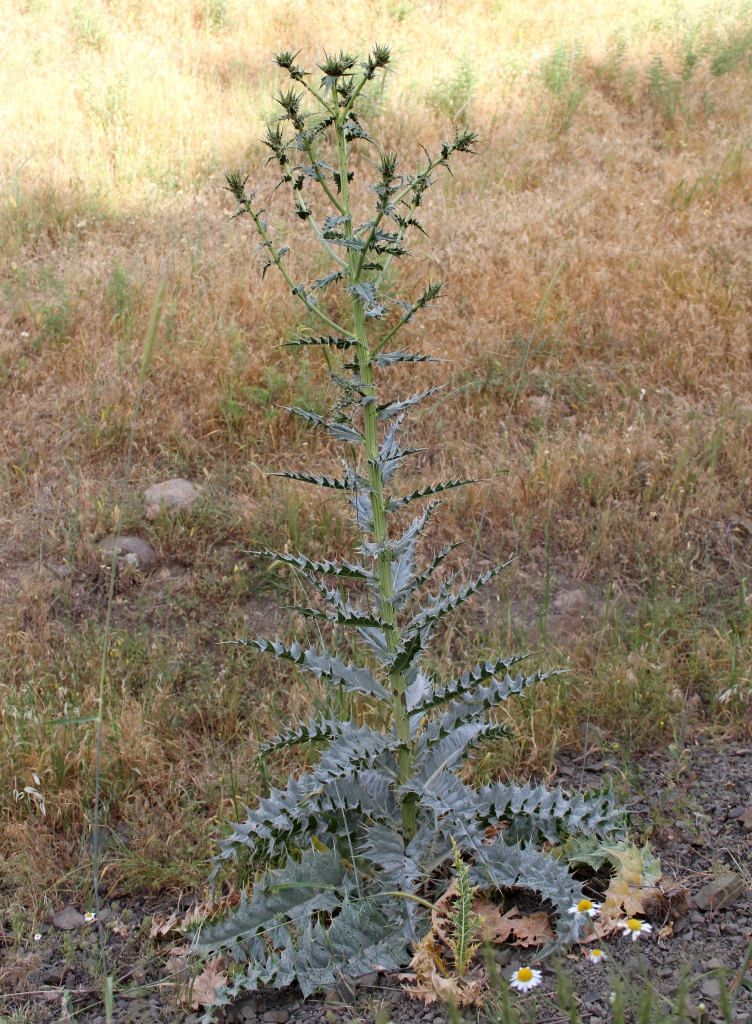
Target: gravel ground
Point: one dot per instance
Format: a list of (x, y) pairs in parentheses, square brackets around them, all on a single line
[(688, 808)]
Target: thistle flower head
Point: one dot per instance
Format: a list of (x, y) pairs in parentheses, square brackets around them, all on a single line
[(286, 59), (334, 68)]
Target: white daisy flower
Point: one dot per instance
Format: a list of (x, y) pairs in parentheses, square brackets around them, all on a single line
[(38, 937), (635, 928), (525, 978), (585, 908), (89, 916), (596, 956)]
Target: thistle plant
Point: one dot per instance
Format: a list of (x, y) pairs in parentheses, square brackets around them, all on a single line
[(350, 854)]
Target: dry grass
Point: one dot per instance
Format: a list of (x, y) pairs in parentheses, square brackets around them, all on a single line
[(627, 449)]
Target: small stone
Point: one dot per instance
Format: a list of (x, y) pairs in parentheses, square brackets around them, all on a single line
[(503, 957), (54, 976), (696, 918), (713, 964), (69, 919), (104, 914), (369, 980), (720, 893), (171, 496), (711, 988), (735, 812), (131, 546), (438, 1020), (571, 602), (248, 1014), (276, 1016)]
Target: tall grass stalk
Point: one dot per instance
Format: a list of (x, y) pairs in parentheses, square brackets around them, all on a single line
[(151, 335)]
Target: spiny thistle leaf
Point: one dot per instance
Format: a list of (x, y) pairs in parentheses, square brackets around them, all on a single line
[(341, 343), (345, 570), (386, 412), (427, 492), (358, 680)]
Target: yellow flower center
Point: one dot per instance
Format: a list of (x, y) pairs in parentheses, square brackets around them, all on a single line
[(597, 953), (524, 974), (634, 925), (584, 905)]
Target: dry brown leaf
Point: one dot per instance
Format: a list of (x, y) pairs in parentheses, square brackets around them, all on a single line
[(456, 991), (427, 958), (666, 931), (161, 926), (495, 926), (531, 930), (440, 922), (120, 928), (204, 989)]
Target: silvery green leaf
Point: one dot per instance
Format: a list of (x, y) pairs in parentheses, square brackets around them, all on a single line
[(354, 748), (441, 605), (324, 282), (333, 342), (317, 730), (468, 682), (337, 483), (361, 505), (418, 691), (368, 791), (395, 408), (477, 701), (345, 570), (375, 639), (414, 530), (349, 676), (365, 291), (447, 753), (345, 616), (318, 881), (384, 359), (343, 431), (426, 492), (334, 222), (391, 453)]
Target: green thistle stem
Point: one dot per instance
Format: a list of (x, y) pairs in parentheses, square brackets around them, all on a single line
[(378, 503)]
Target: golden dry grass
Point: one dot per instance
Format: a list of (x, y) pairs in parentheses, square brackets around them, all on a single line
[(627, 447)]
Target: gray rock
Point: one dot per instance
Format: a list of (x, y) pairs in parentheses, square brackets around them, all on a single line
[(144, 552), (368, 980), (711, 988), (720, 893), (571, 602), (276, 1016), (171, 496), (69, 919), (55, 976)]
